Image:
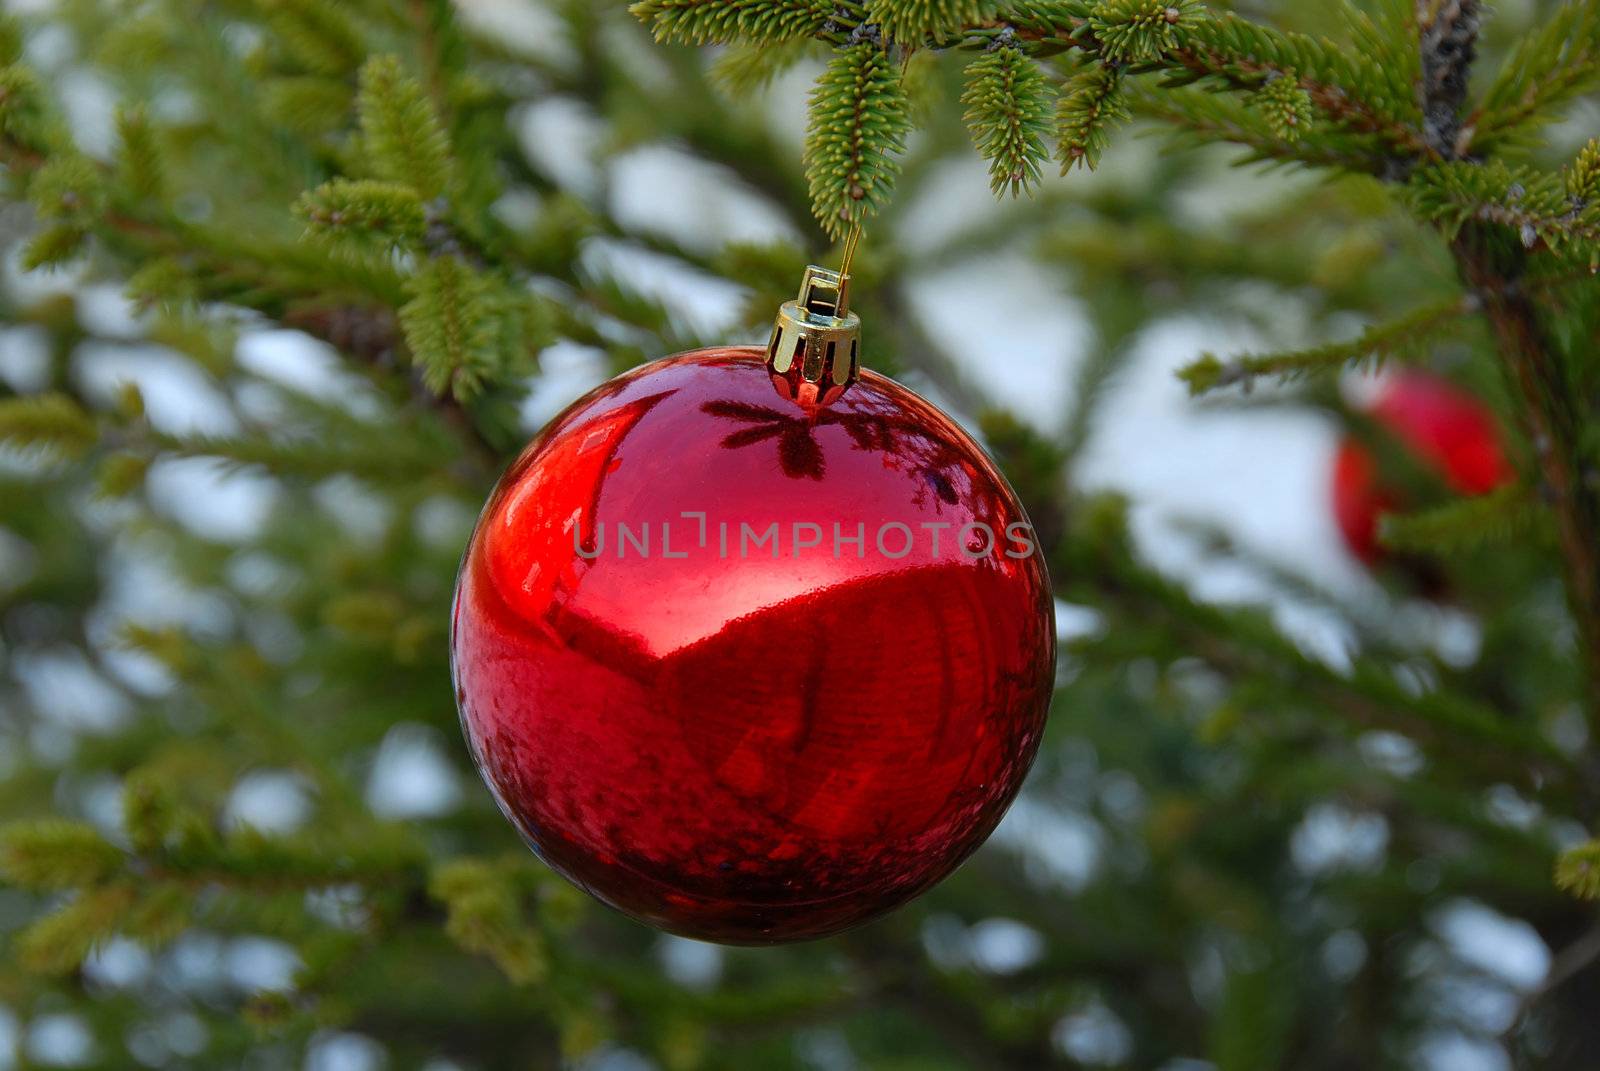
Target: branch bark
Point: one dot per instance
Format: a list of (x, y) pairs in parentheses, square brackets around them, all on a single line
[(1492, 261), (1492, 265), (1448, 30)]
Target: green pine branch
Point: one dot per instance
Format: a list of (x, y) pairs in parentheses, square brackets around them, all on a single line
[(68, 190), (911, 22), (723, 21), (1199, 117), (1008, 103), (1401, 338), (53, 246), (364, 214), (1343, 85), (403, 135), (174, 838), (1091, 104), (1498, 519), (1367, 94), (51, 422), (59, 942), (53, 853), (309, 105), (285, 455), (11, 39), (1551, 67), (859, 122), (140, 168), (1578, 871), (1285, 107), (1141, 31), (1063, 22), (484, 915), (1241, 640), (320, 35), (25, 120), (1537, 206), (748, 67), (1583, 177), (1361, 90), (451, 325), (1384, 34)]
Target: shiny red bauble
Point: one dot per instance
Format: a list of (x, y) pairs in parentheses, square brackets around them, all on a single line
[(1442, 426), (746, 669)]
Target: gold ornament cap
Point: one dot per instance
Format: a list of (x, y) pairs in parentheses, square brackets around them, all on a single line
[(814, 354)]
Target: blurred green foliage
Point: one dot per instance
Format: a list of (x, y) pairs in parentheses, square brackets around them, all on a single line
[(353, 170)]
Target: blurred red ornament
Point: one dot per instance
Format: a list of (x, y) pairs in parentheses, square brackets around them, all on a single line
[(1442, 426), (748, 667)]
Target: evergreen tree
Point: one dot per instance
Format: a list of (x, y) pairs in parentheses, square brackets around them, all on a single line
[(351, 170)]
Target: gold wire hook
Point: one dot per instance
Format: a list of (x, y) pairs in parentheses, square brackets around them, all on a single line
[(852, 242)]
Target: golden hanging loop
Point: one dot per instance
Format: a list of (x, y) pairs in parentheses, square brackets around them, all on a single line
[(814, 354)]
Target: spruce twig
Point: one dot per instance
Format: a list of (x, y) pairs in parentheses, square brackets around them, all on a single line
[(859, 123), (1007, 101), (722, 21), (1396, 338), (1549, 68), (1469, 524), (1091, 104)]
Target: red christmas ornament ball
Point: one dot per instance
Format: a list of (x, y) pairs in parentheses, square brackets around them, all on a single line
[(747, 669), (1444, 427)]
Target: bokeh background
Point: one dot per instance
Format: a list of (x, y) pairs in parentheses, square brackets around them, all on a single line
[(1167, 892)]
